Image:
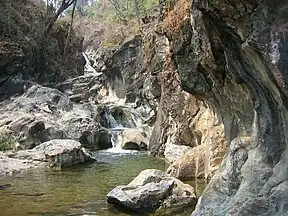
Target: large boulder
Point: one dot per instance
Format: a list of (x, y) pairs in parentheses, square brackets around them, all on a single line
[(96, 140), (151, 190), (54, 153), (63, 153)]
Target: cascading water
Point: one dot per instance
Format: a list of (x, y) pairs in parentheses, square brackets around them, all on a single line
[(117, 129), (116, 115), (88, 67), (112, 121)]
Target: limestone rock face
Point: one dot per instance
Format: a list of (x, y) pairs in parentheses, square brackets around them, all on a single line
[(184, 125), (151, 190), (203, 160), (232, 55)]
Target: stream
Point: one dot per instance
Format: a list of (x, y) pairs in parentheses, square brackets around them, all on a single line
[(80, 190)]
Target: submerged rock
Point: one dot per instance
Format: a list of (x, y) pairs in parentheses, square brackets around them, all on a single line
[(151, 190)]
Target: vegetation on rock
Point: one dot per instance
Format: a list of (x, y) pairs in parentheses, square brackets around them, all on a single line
[(7, 142)]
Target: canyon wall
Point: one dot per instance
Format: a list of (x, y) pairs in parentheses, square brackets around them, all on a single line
[(232, 55)]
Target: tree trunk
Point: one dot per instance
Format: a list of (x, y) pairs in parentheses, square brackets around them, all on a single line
[(70, 29), (137, 14), (64, 5)]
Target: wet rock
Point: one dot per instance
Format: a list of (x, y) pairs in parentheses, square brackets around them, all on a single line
[(100, 139), (152, 190), (9, 166), (134, 140), (5, 186)]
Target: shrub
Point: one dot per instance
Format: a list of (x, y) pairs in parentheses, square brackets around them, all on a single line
[(7, 142)]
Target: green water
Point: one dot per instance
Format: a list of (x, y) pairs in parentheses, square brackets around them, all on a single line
[(79, 190)]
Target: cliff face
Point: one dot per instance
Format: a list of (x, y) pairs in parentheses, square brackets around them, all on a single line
[(233, 56)]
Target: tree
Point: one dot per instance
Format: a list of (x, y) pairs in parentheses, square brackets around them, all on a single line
[(70, 28), (64, 5), (137, 14)]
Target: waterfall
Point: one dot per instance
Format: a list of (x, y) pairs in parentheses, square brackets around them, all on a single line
[(136, 120), (117, 139), (88, 68), (112, 121), (112, 98)]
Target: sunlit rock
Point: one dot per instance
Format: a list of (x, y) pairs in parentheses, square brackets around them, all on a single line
[(152, 190)]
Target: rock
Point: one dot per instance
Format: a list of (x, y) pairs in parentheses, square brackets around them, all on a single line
[(189, 165), (100, 139), (63, 153), (54, 153), (9, 166), (42, 114), (233, 56), (152, 190), (134, 140), (174, 152), (5, 186)]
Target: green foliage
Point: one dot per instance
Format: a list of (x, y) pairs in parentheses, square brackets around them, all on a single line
[(7, 142)]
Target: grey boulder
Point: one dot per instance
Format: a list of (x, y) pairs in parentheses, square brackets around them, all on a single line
[(152, 190), (54, 153)]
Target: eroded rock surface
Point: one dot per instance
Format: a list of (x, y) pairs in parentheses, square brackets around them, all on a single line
[(204, 159), (152, 190), (231, 55), (184, 124)]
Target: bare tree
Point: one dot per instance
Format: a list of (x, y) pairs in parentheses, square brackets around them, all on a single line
[(137, 14), (64, 5), (40, 61), (70, 28)]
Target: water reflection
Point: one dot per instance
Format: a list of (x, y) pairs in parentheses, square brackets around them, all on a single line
[(79, 190)]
